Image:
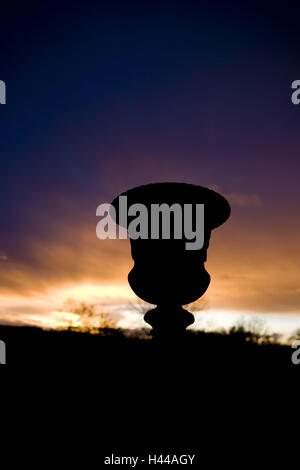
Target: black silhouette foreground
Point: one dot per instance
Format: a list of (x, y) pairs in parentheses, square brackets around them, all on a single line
[(142, 398), (165, 272)]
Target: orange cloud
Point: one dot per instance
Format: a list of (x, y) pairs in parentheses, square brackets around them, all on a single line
[(254, 263)]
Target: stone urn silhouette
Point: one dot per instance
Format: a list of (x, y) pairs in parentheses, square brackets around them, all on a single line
[(165, 272)]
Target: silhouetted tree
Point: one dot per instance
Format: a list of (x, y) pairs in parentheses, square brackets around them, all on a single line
[(92, 317)]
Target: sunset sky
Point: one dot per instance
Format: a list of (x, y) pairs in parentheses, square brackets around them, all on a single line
[(104, 96)]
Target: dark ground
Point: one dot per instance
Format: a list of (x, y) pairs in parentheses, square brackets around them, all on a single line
[(194, 353), (204, 393)]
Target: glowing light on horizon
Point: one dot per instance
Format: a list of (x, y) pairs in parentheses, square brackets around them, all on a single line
[(88, 292), (48, 310)]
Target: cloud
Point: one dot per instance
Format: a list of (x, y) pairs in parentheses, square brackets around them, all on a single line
[(244, 200), (238, 198), (71, 255), (215, 187)]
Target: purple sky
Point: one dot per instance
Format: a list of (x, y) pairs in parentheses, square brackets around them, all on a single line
[(103, 96)]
